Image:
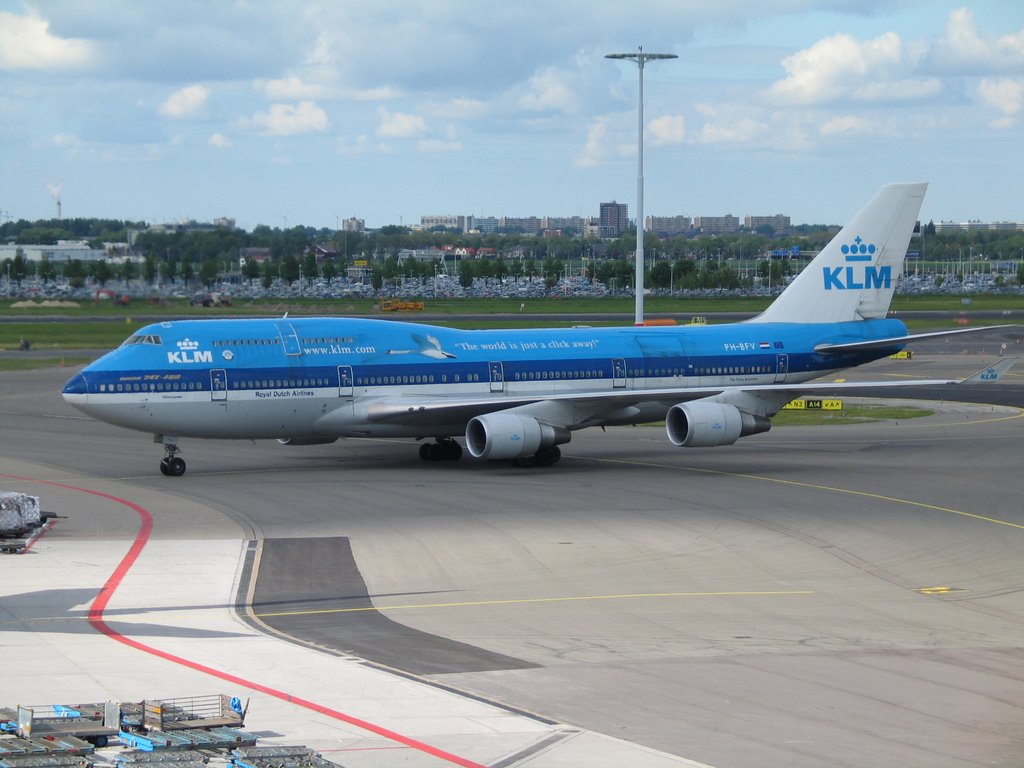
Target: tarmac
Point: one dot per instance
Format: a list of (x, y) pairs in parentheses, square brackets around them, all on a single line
[(815, 597)]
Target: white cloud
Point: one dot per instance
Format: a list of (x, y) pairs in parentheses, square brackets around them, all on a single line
[(741, 131), (184, 103), (27, 43), (400, 125), (847, 125), (899, 90), (292, 119), (834, 67), (1005, 95), (289, 89), (220, 141), (549, 89), (732, 123), (963, 49), (360, 146), (594, 152), (667, 129)]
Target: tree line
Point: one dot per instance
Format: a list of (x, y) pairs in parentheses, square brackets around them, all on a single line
[(204, 253)]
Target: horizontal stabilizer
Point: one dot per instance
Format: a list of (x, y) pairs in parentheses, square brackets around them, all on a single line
[(893, 341), (992, 372)]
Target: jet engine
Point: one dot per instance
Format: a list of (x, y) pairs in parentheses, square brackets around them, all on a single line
[(510, 436), (705, 425), (306, 440)]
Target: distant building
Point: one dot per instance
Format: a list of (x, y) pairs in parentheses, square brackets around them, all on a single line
[(61, 253), (975, 225), (486, 225), (716, 225), (258, 255), (779, 223), (614, 218), (591, 228), (463, 223), (528, 225), (191, 225), (668, 226), (353, 224), (422, 254), (563, 223)]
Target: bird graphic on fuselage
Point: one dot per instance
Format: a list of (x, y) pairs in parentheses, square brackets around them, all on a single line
[(428, 347)]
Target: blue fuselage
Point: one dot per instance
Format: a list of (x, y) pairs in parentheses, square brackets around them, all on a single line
[(279, 378)]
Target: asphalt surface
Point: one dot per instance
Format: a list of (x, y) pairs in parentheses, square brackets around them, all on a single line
[(809, 597)]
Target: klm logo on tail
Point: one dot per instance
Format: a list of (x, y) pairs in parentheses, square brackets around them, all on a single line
[(857, 278)]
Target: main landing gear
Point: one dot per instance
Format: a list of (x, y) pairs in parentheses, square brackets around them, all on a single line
[(172, 465), (545, 457), (445, 449)]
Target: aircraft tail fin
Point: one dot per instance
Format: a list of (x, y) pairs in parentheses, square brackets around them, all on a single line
[(854, 276)]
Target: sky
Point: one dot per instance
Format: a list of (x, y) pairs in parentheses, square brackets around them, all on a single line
[(308, 113)]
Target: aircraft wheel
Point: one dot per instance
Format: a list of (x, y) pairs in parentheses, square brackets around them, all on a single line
[(545, 457), (176, 466), (425, 452), (163, 467)]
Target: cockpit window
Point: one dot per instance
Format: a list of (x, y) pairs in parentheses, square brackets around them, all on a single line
[(140, 338)]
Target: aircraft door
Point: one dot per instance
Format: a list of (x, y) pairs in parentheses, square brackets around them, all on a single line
[(344, 381), (497, 374), (781, 368), (218, 384), (619, 372), (289, 339)]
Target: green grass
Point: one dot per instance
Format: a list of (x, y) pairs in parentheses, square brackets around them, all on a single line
[(101, 325), (31, 363), (855, 414), (570, 306), (67, 335)]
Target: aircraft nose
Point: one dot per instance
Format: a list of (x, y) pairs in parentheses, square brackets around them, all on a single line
[(76, 391)]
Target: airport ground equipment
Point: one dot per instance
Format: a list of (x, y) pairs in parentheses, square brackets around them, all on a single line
[(134, 758), (92, 723), (45, 760), (278, 756), (214, 711), (20, 520), (187, 723), (19, 513), (400, 305)]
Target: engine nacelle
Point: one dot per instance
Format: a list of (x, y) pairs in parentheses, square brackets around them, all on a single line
[(306, 440), (509, 436), (705, 425)]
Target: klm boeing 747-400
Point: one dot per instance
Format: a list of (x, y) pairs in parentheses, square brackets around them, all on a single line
[(514, 394)]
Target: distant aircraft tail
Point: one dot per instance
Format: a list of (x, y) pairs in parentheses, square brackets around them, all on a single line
[(855, 275)]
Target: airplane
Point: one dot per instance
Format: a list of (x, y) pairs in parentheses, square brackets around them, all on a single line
[(517, 395)]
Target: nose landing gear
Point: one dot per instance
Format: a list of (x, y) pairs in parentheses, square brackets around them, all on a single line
[(172, 465)]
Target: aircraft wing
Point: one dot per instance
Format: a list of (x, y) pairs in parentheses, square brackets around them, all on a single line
[(427, 411), (892, 341)]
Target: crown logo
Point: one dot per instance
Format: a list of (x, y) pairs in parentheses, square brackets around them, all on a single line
[(858, 250), (187, 345)]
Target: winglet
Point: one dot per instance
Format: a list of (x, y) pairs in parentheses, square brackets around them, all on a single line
[(991, 373)]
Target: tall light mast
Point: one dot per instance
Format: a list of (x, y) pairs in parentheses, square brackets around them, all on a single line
[(640, 58)]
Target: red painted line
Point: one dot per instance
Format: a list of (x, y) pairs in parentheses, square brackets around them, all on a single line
[(103, 598), (38, 535)]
